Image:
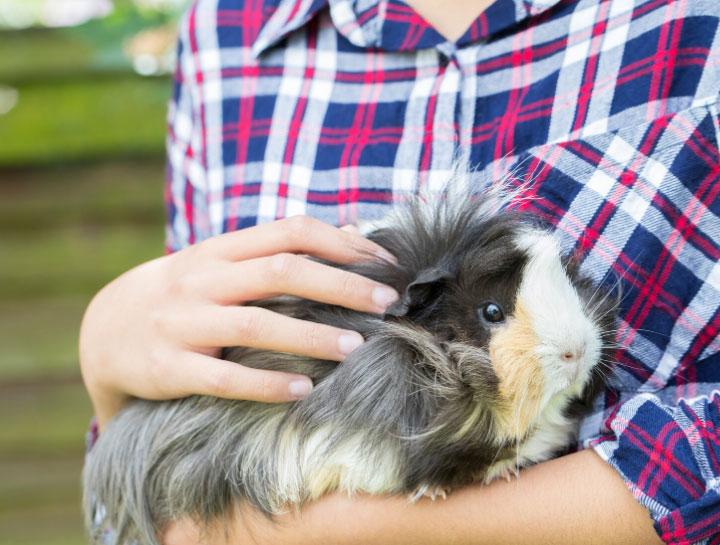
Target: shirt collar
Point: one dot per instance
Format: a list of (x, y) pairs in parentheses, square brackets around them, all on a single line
[(389, 24)]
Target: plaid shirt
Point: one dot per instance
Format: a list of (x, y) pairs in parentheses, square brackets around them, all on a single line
[(331, 107)]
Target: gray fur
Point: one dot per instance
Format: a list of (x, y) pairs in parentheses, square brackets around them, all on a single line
[(402, 398)]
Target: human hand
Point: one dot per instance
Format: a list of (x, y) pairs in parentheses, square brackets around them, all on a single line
[(157, 331)]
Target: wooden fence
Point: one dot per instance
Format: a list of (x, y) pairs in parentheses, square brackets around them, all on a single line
[(81, 175)]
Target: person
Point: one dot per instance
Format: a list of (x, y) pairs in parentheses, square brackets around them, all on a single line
[(292, 117)]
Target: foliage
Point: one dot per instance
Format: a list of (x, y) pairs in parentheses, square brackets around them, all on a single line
[(93, 118), (81, 179), (95, 44), (38, 13), (43, 54), (127, 19)]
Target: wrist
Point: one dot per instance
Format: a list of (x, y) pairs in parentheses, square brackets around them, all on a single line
[(106, 400), (106, 404)]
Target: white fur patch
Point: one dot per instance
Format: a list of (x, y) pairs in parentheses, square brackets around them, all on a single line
[(552, 431), (306, 472), (560, 323), (558, 316)]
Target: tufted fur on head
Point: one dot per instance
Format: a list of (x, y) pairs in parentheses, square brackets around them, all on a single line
[(442, 393)]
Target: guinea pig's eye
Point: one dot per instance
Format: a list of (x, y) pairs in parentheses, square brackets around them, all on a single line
[(492, 313)]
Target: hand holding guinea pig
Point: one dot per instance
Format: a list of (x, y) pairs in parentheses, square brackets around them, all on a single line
[(156, 331), (479, 368)]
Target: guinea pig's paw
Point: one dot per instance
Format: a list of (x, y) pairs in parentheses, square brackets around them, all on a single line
[(429, 491), (509, 473), (502, 470)]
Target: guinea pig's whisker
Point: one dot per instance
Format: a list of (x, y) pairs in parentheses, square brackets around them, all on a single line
[(598, 289), (606, 359), (611, 364), (612, 345), (608, 311), (625, 273), (652, 332), (602, 365), (622, 365), (602, 301)]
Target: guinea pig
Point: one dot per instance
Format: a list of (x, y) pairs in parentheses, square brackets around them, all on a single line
[(481, 368)]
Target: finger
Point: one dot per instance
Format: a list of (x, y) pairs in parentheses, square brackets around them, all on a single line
[(257, 327), (299, 234), (295, 275), (210, 376)]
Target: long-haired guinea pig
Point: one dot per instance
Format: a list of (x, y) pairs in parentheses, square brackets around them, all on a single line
[(479, 369)]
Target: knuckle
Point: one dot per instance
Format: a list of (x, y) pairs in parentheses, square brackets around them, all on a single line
[(300, 228), (173, 286), (350, 285), (313, 337), (250, 326), (189, 257), (184, 284), (159, 321), (259, 387), (158, 364), (266, 387), (282, 266), (204, 250), (220, 383)]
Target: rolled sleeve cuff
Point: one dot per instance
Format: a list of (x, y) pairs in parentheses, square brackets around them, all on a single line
[(669, 458), (92, 435)]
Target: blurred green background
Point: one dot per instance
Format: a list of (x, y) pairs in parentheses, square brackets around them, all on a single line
[(84, 86)]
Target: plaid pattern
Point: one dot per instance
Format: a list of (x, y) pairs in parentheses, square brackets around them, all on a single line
[(641, 204), (332, 108)]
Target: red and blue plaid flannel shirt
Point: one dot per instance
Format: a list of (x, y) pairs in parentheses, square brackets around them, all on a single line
[(331, 107)]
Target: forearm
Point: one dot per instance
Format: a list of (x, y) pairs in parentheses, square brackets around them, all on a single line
[(576, 499)]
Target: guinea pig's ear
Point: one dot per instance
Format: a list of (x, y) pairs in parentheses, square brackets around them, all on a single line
[(422, 292)]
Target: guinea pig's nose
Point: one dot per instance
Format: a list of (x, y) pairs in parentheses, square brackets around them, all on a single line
[(574, 354)]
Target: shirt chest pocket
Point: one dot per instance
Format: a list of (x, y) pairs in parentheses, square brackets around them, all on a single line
[(641, 206)]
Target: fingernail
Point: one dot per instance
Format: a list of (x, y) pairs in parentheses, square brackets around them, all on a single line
[(383, 297), (384, 255), (349, 342), (300, 388)]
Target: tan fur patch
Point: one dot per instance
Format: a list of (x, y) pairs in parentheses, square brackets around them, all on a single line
[(517, 365)]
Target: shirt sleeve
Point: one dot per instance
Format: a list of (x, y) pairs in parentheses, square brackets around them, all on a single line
[(670, 460), (186, 174)]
